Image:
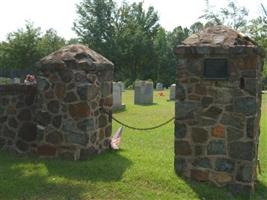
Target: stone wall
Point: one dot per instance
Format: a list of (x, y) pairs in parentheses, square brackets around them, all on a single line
[(17, 113), (63, 115), (217, 121)]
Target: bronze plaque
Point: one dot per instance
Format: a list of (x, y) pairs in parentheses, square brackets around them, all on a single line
[(216, 68)]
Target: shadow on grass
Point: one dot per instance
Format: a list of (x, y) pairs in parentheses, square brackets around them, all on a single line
[(209, 191), (28, 178)]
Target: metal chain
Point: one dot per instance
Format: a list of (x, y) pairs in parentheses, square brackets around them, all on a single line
[(136, 128)]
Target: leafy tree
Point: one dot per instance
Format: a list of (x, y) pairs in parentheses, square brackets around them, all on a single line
[(232, 15), (24, 47), (95, 25), (50, 42), (124, 35), (196, 27), (21, 48), (73, 41), (135, 39)]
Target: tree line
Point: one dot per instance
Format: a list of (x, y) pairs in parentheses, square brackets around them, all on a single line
[(129, 35)]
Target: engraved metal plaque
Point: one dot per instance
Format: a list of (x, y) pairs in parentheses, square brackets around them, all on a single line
[(216, 68)]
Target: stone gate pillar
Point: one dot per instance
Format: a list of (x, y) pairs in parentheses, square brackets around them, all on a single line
[(73, 84), (218, 99)]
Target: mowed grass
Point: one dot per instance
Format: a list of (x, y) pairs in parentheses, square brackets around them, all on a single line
[(142, 169)]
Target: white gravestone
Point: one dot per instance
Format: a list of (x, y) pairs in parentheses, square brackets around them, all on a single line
[(143, 92), (117, 97), (159, 87), (16, 80), (172, 91), (122, 86)]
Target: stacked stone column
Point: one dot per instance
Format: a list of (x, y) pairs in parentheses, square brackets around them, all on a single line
[(217, 121), (75, 83)]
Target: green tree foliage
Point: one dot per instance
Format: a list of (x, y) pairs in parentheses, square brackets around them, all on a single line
[(95, 25), (50, 42), (136, 31), (196, 27), (24, 47), (125, 35), (20, 50), (231, 15)]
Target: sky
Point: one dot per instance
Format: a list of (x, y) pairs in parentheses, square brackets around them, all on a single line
[(60, 14)]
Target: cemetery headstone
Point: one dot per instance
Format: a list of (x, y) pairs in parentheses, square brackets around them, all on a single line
[(122, 85), (117, 97), (143, 92), (159, 87), (16, 80), (172, 91)]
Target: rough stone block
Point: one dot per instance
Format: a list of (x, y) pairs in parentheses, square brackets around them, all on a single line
[(245, 105), (242, 150), (234, 134), (200, 175), (28, 131), (46, 150), (245, 173), (79, 110), (221, 179), (216, 147), (224, 165), (180, 130), (233, 119), (185, 110), (54, 137), (199, 135), (213, 112), (251, 124), (218, 131), (202, 162), (182, 148), (179, 92), (179, 165)]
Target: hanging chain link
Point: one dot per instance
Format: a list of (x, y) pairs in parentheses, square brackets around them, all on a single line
[(136, 128)]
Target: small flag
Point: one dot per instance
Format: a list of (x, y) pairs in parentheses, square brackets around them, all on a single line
[(116, 139)]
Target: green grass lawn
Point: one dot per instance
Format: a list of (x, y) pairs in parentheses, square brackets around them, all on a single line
[(142, 169)]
